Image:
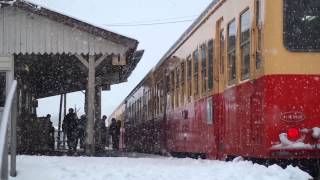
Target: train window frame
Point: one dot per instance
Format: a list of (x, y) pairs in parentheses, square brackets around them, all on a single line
[(297, 35), (189, 77), (245, 44), (203, 54), (211, 51), (195, 56), (232, 52)]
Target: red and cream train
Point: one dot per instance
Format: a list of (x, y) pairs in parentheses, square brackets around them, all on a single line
[(243, 80)]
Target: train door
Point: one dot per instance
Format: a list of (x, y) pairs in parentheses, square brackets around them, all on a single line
[(257, 70)]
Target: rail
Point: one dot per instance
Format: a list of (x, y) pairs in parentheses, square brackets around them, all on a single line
[(4, 124)]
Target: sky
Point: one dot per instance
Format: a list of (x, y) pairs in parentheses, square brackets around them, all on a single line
[(154, 39)]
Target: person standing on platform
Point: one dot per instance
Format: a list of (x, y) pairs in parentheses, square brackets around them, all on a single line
[(103, 130), (114, 132), (100, 134), (81, 129), (69, 127), (51, 133)]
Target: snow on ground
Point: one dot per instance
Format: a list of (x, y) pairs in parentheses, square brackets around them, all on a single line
[(161, 168)]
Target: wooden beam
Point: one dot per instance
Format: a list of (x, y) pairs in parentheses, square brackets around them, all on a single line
[(99, 61), (82, 60), (64, 115), (59, 123), (91, 110)]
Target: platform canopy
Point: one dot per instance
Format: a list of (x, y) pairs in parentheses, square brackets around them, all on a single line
[(51, 50)]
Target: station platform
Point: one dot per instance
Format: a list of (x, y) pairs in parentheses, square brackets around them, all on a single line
[(105, 153)]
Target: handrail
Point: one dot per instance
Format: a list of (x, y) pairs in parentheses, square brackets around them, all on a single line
[(4, 135)]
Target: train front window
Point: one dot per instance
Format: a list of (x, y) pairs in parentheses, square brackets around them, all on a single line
[(301, 25)]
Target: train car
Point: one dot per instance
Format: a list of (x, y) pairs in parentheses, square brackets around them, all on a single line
[(243, 80)]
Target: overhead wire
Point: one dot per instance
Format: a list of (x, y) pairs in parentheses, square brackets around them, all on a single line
[(149, 24), (154, 22)]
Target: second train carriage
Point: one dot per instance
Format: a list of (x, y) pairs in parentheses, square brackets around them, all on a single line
[(243, 80)]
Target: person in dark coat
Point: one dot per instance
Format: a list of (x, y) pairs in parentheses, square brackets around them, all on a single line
[(69, 127), (103, 130), (51, 133), (81, 129), (114, 131), (100, 134)]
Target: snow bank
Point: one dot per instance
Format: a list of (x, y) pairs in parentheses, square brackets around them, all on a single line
[(316, 132), (287, 144), (94, 168)]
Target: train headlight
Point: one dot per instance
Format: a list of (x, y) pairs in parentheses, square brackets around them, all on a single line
[(293, 133), (316, 132)]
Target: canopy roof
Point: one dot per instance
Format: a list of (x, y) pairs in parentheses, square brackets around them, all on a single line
[(46, 43)]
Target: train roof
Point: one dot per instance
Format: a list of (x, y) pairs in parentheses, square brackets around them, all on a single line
[(188, 32), (176, 45)]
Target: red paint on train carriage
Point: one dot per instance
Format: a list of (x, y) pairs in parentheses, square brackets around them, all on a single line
[(247, 118)]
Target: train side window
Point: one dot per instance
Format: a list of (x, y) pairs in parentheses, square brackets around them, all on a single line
[(131, 112), (161, 97), (157, 98), (203, 50), (140, 109), (2, 88), (222, 51), (189, 71), (258, 12), (245, 44), (134, 111), (196, 72), (232, 75), (149, 104), (183, 76), (167, 84), (210, 64), (177, 86), (172, 89)]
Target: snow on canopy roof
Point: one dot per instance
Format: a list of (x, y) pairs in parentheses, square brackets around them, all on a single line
[(71, 21)]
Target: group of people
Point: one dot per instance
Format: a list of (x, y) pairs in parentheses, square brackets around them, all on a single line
[(74, 129)]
